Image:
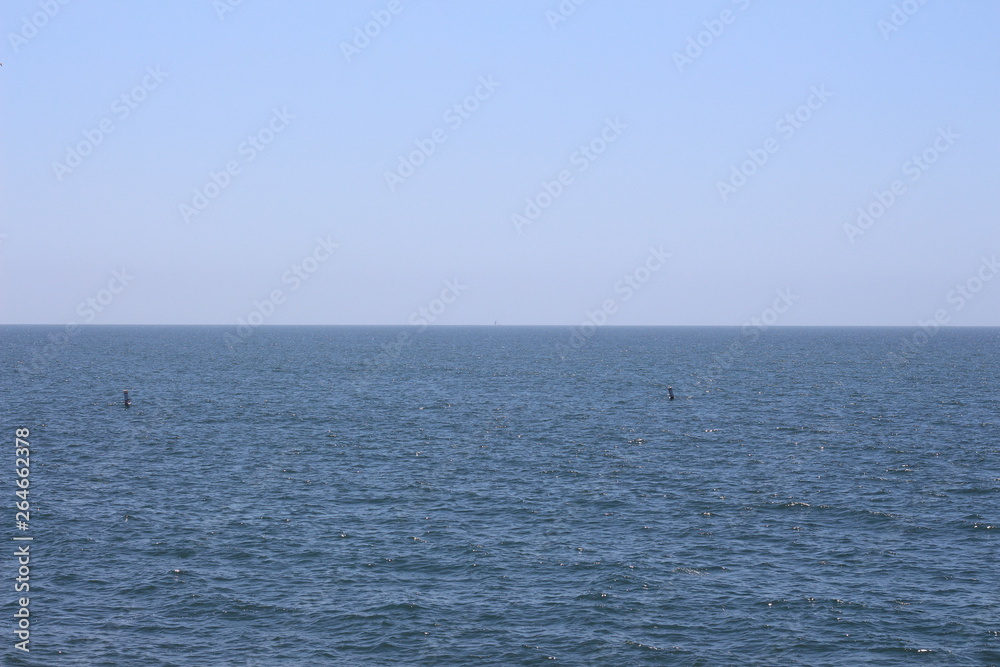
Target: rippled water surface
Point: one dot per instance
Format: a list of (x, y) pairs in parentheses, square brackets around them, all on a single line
[(457, 496)]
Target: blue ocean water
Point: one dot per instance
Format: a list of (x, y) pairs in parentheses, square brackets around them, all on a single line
[(507, 495)]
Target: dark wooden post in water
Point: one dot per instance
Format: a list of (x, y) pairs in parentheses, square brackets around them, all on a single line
[(670, 393), (128, 401)]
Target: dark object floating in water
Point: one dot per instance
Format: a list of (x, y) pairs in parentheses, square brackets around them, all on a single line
[(128, 401), (670, 392)]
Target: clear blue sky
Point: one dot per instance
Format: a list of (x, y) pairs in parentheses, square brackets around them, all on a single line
[(674, 127)]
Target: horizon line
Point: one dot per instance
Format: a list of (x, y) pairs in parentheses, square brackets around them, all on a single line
[(444, 326)]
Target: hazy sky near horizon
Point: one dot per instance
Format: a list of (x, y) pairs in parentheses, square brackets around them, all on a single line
[(533, 162)]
